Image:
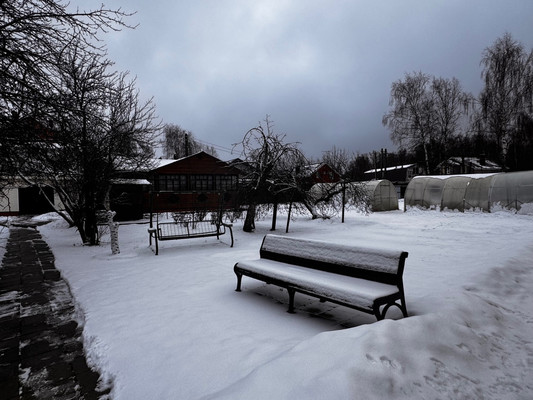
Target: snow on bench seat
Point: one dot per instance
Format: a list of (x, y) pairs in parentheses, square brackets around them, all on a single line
[(323, 284), (369, 280)]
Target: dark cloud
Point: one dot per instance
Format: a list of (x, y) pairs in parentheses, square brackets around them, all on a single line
[(321, 70)]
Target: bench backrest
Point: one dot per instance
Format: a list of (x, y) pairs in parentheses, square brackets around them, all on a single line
[(190, 228), (377, 265)]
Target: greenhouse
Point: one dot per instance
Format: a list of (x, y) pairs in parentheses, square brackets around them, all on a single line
[(487, 192), (382, 195)]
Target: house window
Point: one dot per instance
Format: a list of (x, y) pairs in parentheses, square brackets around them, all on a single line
[(172, 183), (226, 182), (201, 183), (196, 183)]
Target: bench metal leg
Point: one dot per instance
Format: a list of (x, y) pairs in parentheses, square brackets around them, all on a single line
[(381, 314), (239, 280), (291, 292), (403, 307), (377, 312), (231, 234)]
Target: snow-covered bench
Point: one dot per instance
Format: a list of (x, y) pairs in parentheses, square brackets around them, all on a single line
[(188, 230), (368, 280)]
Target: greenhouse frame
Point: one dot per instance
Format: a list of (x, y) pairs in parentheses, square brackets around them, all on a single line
[(486, 192)]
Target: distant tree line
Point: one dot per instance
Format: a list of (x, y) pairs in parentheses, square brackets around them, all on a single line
[(434, 118)]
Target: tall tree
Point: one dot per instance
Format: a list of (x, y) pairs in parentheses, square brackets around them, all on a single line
[(426, 112), (450, 106), (411, 120), (507, 97), (178, 143), (66, 120), (97, 128)]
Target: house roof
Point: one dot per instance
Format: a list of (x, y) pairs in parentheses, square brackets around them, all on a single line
[(200, 156), (163, 162)]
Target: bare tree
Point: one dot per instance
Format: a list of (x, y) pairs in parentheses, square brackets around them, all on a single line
[(450, 106), (507, 96), (96, 127), (66, 120), (178, 143), (32, 33), (271, 165), (411, 120), (338, 159), (426, 112)]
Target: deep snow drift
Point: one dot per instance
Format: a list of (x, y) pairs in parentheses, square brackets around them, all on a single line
[(172, 326)]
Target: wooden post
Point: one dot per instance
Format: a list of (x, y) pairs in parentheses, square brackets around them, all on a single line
[(274, 217), (375, 165), (343, 199), (151, 208), (288, 218)]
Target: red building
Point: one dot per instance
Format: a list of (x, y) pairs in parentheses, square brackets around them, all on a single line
[(197, 182), (319, 173)]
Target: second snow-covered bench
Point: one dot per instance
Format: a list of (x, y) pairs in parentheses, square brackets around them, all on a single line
[(367, 280), (188, 230)]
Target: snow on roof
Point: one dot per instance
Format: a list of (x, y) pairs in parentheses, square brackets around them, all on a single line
[(371, 171), (473, 176), (130, 182), (473, 161), (163, 162)]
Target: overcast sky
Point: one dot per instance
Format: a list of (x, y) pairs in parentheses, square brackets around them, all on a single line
[(322, 69)]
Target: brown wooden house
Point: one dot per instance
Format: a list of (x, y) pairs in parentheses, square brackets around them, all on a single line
[(200, 182)]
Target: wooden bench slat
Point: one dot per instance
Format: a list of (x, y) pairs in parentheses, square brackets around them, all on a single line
[(385, 261)]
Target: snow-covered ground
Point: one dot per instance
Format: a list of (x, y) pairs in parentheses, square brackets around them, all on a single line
[(172, 326)]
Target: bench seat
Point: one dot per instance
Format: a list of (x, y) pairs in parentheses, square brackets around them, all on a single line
[(341, 288)]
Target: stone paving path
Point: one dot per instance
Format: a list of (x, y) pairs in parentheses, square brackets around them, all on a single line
[(41, 350)]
